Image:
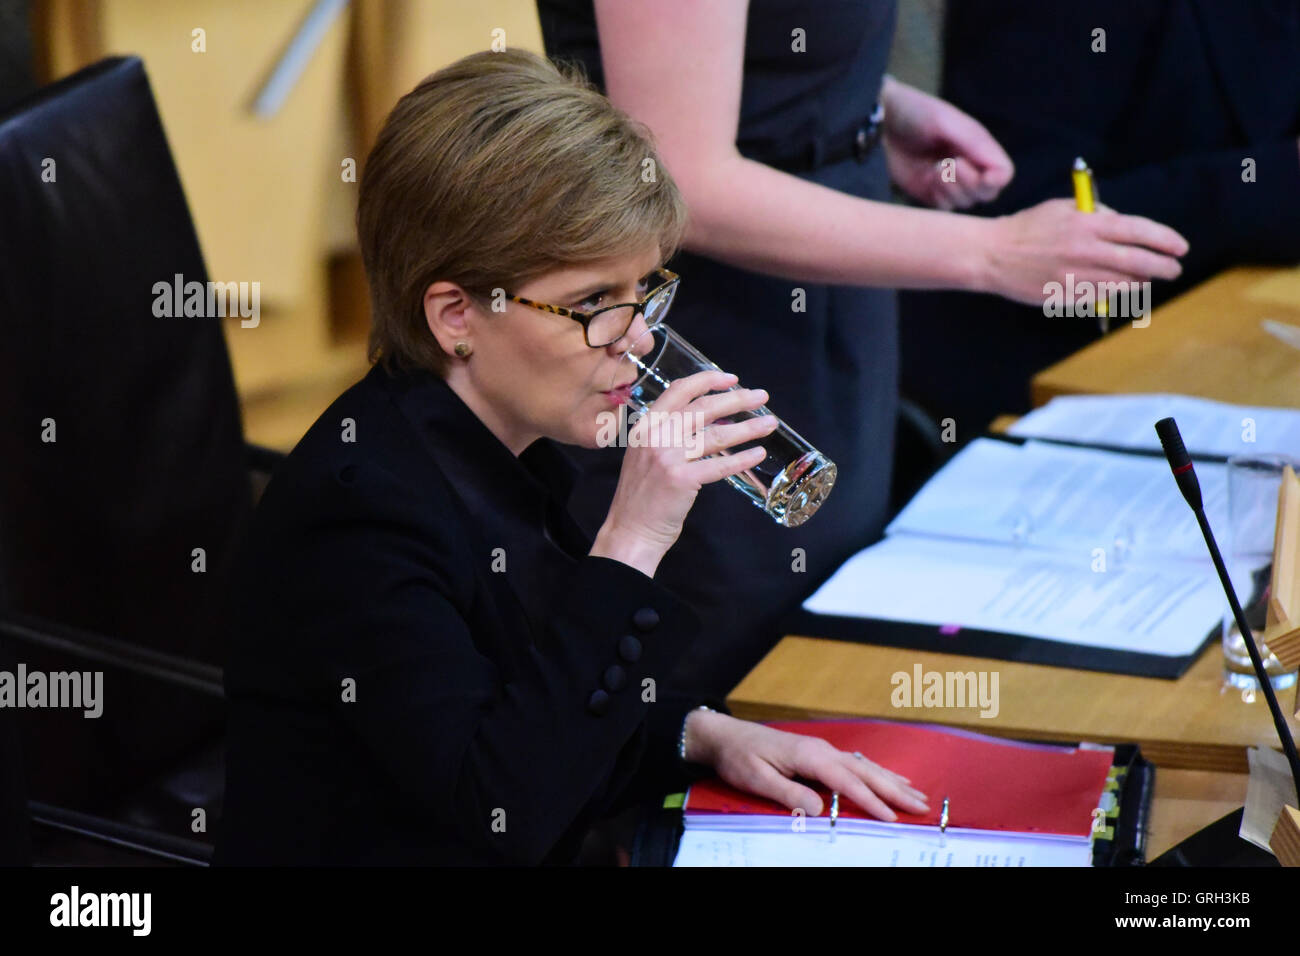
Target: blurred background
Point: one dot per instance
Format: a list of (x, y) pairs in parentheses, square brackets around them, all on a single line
[(267, 193), (222, 140)]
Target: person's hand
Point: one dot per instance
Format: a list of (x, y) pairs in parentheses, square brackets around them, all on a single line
[(922, 132), (1043, 243), (666, 464), (762, 760)]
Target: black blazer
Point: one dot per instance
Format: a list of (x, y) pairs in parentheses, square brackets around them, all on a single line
[(430, 668)]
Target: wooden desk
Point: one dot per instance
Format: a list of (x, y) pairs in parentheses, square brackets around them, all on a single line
[(1192, 723), (1187, 800), (1186, 723), (1207, 342)]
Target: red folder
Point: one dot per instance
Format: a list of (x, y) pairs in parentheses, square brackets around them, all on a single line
[(991, 783)]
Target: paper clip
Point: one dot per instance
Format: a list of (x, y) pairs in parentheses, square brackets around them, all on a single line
[(835, 812), (943, 823)]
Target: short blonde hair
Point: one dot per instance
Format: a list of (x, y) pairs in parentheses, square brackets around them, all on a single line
[(493, 171)]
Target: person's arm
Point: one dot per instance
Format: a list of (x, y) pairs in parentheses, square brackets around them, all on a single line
[(1229, 220), (677, 66), (506, 761), (506, 756), (1062, 100), (921, 132), (661, 769), (770, 763)]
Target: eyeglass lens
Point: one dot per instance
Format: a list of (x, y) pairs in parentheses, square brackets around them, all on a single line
[(612, 324)]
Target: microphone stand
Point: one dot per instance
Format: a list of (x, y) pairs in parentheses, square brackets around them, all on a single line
[(1181, 464), (1283, 731)]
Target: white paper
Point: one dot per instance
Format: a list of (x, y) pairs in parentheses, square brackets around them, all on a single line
[(1067, 499), (708, 847), (1128, 421), (1269, 788), (1164, 607)]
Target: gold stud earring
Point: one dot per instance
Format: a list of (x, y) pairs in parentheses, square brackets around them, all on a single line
[(463, 349)]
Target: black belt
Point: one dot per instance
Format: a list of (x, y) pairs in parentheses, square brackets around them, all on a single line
[(856, 143)]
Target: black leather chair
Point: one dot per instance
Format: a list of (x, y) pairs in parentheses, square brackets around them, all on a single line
[(122, 454)]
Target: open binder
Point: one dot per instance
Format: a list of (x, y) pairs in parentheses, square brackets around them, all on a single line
[(1012, 803), (998, 557), (976, 642)]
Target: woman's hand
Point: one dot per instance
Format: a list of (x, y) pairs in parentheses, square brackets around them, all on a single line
[(762, 760), (1043, 243), (922, 132), (666, 464)]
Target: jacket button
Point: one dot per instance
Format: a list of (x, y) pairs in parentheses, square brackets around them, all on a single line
[(347, 475), (615, 678), (646, 619), (598, 703), (629, 648)]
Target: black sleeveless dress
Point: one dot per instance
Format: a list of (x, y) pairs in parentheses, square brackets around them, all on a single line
[(831, 371)]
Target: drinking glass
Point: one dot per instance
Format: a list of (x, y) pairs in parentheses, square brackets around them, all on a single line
[(1253, 485), (794, 479)]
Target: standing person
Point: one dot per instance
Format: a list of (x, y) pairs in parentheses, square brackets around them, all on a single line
[(763, 114), (433, 664)]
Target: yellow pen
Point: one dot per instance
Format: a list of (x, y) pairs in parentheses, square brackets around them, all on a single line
[(1085, 200)]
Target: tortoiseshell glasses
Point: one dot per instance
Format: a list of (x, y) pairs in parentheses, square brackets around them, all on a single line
[(605, 326)]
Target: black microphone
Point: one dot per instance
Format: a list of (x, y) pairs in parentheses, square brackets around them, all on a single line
[(1181, 464)]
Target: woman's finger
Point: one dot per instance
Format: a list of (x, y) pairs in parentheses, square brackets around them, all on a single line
[(816, 760), (837, 776), (993, 179), (864, 782), (888, 784), (979, 147), (957, 196), (858, 755), (1136, 261), (1139, 231), (716, 438), (708, 470), (962, 191), (682, 391), (707, 409), (769, 782)]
